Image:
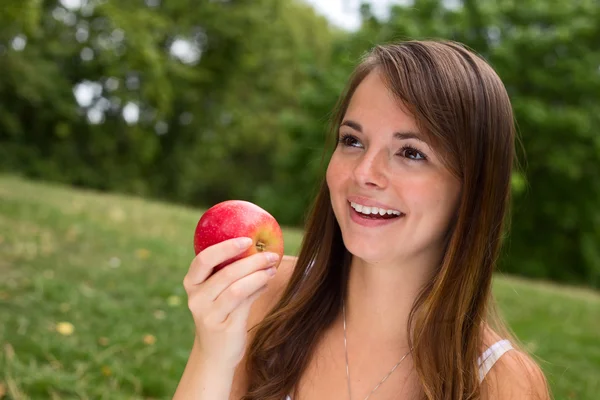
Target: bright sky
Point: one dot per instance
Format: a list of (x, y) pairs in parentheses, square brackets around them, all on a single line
[(344, 13)]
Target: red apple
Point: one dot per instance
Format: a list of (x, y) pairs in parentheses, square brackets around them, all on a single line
[(236, 218)]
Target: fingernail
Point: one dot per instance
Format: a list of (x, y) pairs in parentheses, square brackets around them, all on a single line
[(272, 258), (244, 242), (271, 271)]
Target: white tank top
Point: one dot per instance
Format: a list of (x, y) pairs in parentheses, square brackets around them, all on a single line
[(486, 361)]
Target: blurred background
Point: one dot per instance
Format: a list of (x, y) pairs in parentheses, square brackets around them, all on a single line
[(120, 122)]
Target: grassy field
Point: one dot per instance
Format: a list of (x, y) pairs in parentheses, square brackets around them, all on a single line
[(92, 306)]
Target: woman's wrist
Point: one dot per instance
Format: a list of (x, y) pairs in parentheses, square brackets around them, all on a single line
[(213, 361)]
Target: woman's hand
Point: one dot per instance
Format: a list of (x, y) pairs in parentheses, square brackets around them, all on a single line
[(220, 303)]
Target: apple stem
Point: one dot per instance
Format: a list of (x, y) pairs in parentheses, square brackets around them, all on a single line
[(261, 246)]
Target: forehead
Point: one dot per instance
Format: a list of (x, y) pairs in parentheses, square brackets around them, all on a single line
[(376, 108)]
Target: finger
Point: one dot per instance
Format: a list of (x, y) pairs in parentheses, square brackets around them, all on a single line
[(202, 296), (239, 316), (203, 264), (222, 279), (238, 292)]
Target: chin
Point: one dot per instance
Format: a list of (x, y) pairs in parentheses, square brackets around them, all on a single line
[(363, 250)]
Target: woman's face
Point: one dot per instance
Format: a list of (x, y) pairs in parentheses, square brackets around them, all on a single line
[(383, 161)]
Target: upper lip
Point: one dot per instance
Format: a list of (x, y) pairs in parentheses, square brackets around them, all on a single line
[(365, 201)]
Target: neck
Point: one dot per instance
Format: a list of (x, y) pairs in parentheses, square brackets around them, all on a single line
[(380, 298)]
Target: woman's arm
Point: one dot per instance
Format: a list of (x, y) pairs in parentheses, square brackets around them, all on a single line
[(203, 379), (208, 380), (259, 310)]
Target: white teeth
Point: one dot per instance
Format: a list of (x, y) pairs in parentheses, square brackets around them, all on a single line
[(372, 210)]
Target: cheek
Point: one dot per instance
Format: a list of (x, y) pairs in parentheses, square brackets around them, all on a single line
[(334, 175), (447, 196), (437, 196)]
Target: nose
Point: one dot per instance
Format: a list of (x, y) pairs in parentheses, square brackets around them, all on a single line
[(370, 170)]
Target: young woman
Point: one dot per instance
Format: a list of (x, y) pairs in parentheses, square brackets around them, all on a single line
[(390, 296)]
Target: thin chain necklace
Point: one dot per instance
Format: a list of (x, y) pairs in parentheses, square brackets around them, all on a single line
[(348, 369)]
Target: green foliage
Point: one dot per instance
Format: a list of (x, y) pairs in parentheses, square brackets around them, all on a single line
[(246, 116)]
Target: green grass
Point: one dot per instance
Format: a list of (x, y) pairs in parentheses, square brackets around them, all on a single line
[(111, 267)]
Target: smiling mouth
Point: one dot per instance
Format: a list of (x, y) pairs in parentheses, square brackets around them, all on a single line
[(374, 213)]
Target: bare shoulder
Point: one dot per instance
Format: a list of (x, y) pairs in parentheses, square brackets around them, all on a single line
[(514, 376), (259, 309)]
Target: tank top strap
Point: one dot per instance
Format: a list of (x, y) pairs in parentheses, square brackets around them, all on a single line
[(492, 354)]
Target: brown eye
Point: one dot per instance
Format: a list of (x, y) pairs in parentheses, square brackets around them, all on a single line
[(348, 141), (413, 154)]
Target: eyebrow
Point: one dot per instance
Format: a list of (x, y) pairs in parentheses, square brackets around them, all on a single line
[(397, 135)]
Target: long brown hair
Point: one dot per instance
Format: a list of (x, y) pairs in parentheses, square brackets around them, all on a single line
[(461, 104)]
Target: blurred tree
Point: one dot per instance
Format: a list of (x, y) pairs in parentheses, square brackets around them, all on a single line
[(103, 56), (235, 153), (175, 102)]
